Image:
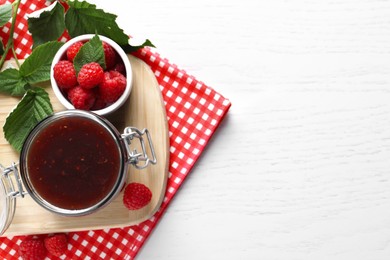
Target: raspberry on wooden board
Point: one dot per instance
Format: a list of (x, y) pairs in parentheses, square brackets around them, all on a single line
[(136, 196)]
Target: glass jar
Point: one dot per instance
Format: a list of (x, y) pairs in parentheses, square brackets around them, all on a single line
[(73, 163)]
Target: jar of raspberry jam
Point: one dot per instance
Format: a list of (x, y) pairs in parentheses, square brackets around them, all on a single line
[(73, 163)]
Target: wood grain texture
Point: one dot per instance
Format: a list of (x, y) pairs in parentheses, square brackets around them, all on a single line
[(300, 168), (144, 109)]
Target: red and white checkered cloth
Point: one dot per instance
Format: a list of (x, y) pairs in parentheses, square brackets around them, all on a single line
[(194, 112)]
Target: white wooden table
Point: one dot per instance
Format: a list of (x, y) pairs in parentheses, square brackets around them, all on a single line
[(300, 167)]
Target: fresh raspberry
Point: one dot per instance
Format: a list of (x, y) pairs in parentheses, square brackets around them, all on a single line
[(81, 98), (90, 75), (120, 67), (56, 244), (32, 249), (99, 102), (136, 196), (73, 50), (110, 55), (112, 86), (65, 74)]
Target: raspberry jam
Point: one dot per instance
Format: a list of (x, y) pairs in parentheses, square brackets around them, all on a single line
[(72, 162)]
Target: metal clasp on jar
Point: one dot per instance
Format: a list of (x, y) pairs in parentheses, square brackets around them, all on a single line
[(140, 160), (8, 183)]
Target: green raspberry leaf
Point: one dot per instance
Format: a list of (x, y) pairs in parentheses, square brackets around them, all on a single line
[(12, 83), (5, 14), (84, 18), (129, 48), (36, 68), (48, 26), (34, 106), (91, 51)]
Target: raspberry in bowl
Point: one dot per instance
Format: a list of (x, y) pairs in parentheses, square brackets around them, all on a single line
[(80, 82)]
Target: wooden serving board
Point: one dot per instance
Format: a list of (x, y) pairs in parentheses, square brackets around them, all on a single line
[(144, 109)]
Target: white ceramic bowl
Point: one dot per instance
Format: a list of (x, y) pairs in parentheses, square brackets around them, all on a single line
[(129, 76)]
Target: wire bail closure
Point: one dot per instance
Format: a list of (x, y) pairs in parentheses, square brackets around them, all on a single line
[(6, 174), (140, 160)]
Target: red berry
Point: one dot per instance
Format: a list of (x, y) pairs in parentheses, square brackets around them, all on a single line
[(81, 98), (73, 50), (32, 249), (65, 74), (56, 244), (90, 75), (120, 67), (99, 102), (112, 86), (136, 196), (110, 55)]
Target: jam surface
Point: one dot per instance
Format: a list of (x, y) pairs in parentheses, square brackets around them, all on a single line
[(73, 163)]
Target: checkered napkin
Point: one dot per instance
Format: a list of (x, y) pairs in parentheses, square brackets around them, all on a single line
[(194, 111)]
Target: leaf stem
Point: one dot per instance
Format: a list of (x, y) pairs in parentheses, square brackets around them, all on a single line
[(15, 57), (10, 43)]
